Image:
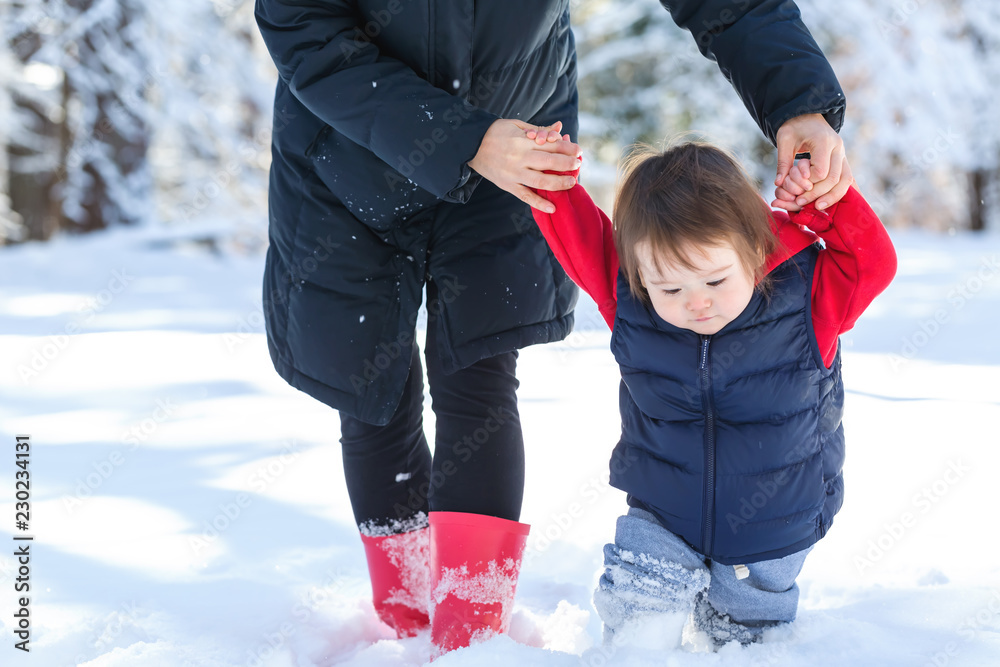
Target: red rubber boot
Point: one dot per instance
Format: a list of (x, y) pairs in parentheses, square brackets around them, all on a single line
[(475, 562), (400, 574)]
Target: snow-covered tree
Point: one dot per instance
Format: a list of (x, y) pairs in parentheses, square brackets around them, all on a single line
[(117, 117), (213, 99), (28, 131), (10, 222), (980, 28), (111, 114), (917, 76), (909, 75), (642, 79), (82, 107)]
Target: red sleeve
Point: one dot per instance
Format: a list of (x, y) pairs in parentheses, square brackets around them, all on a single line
[(857, 264), (580, 236)]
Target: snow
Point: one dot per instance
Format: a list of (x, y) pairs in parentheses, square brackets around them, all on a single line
[(189, 507)]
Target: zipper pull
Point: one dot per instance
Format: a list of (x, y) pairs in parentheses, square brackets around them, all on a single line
[(742, 571)]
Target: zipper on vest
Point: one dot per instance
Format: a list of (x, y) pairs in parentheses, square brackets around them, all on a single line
[(709, 501)]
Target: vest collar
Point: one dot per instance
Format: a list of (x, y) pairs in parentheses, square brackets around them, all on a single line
[(756, 304)]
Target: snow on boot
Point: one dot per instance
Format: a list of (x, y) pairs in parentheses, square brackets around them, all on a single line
[(398, 565), (475, 562), (722, 629), (645, 602), (695, 639), (648, 588)]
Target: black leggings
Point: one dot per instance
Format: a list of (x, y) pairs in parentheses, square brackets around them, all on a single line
[(478, 461)]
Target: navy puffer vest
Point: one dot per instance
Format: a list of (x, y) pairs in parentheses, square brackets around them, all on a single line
[(734, 441)]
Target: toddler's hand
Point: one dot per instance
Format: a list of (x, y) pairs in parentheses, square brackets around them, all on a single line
[(547, 134), (509, 160), (793, 186)]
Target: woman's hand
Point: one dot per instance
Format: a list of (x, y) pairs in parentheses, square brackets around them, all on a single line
[(829, 174), (798, 184), (515, 163)]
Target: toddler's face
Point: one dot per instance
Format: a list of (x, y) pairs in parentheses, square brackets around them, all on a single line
[(703, 300)]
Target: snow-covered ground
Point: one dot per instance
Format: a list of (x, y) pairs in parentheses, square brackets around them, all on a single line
[(189, 508)]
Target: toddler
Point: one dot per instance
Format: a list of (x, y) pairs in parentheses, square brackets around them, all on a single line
[(725, 319)]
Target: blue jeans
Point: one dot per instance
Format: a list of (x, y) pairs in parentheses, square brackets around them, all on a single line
[(650, 570)]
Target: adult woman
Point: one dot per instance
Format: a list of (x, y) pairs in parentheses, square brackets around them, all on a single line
[(399, 140)]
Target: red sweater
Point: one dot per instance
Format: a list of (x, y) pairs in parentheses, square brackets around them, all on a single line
[(857, 264)]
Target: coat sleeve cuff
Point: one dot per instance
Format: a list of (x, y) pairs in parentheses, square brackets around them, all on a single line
[(832, 107), (455, 182)]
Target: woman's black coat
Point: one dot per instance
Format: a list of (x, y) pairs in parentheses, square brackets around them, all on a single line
[(379, 106)]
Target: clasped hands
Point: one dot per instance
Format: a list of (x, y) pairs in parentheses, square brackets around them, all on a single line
[(514, 155)]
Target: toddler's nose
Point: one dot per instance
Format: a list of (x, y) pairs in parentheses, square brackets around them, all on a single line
[(698, 302)]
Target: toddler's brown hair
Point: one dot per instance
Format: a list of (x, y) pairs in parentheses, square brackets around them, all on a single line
[(692, 194)]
